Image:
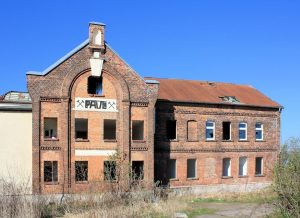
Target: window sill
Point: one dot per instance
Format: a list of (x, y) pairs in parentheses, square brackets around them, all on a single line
[(174, 179), (110, 140), (51, 139), (82, 140), (191, 179), (208, 140), (227, 140), (51, 183), (244, 141), (227, 177), (192, 140), (258, 175), (81, 182), (260, 140), (172, 140), (243, 176), (95, 95), (138, 141)]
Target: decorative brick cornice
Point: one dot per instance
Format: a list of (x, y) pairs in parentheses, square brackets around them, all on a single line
[(54, 100), (50, 148), (138, 149), (217, 150), (140, 104)]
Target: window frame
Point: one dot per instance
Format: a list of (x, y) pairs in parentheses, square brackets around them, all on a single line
[(115, 133), (56, 128), (243, 129), (187, 171), (229, 170), (87, 172), (259, 129), (230, 133), (167, 131), (246, 163), (54, 179), (87, 130), (261, 165), (169, 169), (143, 138), (111, 178), (210, 127)]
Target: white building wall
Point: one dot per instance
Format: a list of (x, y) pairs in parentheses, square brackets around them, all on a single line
[(16, 146)]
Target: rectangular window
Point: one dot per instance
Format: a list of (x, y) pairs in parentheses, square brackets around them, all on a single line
[(226, 167), (81, 171), (258, 166), (172, 169), (226, 131), (192, 134), (110, 170), (242, 131), (109, 129), (95, 85), (243, 166), (191, 168), (50, 171), (137, 170), (50, 128), (137, 130), (210, 130), (81, 128), (171, 129), (259, 131)]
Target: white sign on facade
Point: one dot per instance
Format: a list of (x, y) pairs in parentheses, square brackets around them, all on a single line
[(95, 104)]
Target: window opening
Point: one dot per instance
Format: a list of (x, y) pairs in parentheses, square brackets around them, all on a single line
[(81, 128), (110, 129), (137, 130)]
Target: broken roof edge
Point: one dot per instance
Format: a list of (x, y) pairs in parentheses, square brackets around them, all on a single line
[(222, 103), (60, 61)]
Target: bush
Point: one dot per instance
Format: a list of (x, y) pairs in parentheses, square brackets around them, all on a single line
[(287, 179)]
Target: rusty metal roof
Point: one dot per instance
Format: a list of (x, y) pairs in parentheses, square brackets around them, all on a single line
[(212, 93)]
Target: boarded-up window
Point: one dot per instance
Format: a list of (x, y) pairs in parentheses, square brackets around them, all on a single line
[(137, 130), (192, 130), (191, 168), (109, 129), (172, 169)]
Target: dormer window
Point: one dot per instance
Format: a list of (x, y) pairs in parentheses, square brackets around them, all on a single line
[(229, 99), (95, 85)]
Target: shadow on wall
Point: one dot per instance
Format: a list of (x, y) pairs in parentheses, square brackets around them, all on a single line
[(165, 134)]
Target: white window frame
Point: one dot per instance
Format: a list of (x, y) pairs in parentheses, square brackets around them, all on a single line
[(258, 129), (210, 127), (229, 168), (245, 172), (246, 131)]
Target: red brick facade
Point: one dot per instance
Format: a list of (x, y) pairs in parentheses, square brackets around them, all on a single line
[(53, 96)]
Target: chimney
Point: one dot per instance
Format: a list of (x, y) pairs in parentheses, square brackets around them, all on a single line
[(96, 45)]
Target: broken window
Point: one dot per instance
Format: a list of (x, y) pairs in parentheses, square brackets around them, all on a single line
[(95, 85), (192, 134), (226, 131), (172, 169), (137, 130), (81, 128), (243, 166), (81, 171), (243, 131), (110, 170), (171, 129), (226, 167), (50, 128), (229, 99), (109, 129), (259, 131), (210, 130), (50, 171), (191, 168), (258, 166), (137, 170)]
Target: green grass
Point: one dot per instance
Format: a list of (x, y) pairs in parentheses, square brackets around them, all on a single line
[(199, 211)]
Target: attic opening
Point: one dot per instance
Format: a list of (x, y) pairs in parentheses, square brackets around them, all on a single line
[(95, 85), (229, 99)]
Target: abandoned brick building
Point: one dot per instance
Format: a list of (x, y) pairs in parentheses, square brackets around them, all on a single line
[(91, 104)]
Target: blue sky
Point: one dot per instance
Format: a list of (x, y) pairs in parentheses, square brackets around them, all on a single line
[(253, 42)]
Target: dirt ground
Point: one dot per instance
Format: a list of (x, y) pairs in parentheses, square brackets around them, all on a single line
[(244, 210)]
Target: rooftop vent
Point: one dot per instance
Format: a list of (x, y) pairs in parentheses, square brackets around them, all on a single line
[(230, 99)]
